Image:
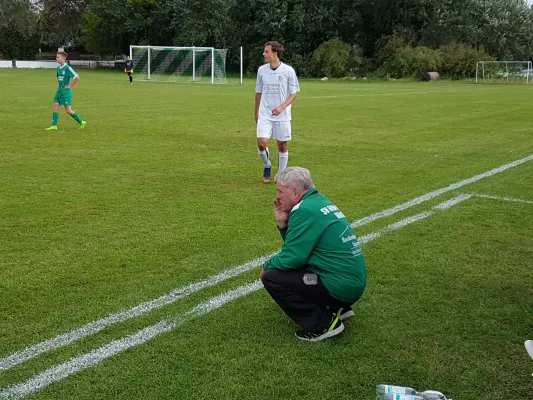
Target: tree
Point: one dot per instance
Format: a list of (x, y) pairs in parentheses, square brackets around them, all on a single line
[(18, 36), (60, 20)]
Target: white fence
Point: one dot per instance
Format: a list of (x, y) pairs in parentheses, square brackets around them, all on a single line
[(35, 64), (54, 64)]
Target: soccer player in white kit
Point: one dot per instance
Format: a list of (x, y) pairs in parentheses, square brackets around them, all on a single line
[(275, 91)]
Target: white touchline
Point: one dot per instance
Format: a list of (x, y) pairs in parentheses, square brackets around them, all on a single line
[(76, 364), (452, 202), (409, 220), (511, 199), (372, 94), (94, 327), (431, 195)]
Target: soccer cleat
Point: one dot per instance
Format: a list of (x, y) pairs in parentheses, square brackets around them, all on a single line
[(82, 125), (334, 329), (51, 128), (266, 174)]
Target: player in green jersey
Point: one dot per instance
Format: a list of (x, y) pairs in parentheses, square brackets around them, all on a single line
[(66, 79)]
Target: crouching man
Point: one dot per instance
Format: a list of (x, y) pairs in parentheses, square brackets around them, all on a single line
[(320, 271)]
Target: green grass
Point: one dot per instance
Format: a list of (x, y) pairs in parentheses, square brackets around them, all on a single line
[(163, 189)]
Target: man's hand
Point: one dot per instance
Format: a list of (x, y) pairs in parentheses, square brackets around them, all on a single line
[(68, 87), (261, 273), (278, 110), (256, 116), (282, 217)]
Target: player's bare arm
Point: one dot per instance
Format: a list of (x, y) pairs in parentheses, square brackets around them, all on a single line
[(278, 110), (257, 102), (74, 81)]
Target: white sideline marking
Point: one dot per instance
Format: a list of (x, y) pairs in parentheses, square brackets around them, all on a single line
[(452, 202), (94, 327), (431, 195), (512, 199), (76, 364), (409, 220), (372, 94), (395, 226)]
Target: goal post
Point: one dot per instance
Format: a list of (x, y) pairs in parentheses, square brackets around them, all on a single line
[(179, 64), (504, 72)]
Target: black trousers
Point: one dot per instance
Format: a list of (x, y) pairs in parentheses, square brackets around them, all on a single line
[(303, 297)]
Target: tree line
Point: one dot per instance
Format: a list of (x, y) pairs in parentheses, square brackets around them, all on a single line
[(395, 38)]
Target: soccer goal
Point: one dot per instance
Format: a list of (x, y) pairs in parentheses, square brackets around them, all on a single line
[(504, 71), (179, 64)]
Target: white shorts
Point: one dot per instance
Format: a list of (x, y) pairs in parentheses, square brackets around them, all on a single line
[(280, 129)]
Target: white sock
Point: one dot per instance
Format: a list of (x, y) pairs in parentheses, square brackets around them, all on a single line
[(283, 161), (264, 157)]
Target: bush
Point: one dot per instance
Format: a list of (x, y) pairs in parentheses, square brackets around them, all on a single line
[(303, 65), (398, 59), (336, 59), (459, 60)]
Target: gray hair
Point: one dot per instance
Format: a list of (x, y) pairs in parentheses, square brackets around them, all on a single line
[(296, 176)]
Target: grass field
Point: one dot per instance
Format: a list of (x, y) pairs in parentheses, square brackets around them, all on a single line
[(162, 191)]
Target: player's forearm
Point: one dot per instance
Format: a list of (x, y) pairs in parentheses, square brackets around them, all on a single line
[(257, 102), (74, 81), (289, 101)]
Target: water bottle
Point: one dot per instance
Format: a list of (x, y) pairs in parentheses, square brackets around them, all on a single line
[(432, 395), (398, 396), (382, 390)]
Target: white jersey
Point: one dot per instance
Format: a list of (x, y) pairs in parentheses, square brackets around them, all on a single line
[(275, 87)]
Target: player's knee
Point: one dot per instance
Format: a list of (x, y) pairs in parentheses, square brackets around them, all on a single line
[(261, 145)]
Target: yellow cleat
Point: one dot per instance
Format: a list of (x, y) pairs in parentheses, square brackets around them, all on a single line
[(51, 128)]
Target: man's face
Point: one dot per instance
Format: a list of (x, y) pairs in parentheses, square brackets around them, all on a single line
[(127, 58), (268, 54), (60, 59), (287, 197)]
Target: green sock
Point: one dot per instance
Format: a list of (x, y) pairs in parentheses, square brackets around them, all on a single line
[(55, 116), (77, 117)]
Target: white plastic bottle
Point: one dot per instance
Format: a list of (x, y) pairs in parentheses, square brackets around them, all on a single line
[(382, 390)]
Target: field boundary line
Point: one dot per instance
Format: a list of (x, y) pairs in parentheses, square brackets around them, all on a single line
[(94, 327)]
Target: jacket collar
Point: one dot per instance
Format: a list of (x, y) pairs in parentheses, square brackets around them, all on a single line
[(307, 194)]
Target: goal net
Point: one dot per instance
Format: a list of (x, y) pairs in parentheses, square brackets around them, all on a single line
[(179, 64), (504, 71)]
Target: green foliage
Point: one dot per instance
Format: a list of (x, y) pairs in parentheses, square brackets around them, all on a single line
[(459, 60), (504, 28), (398, 59), (60, 21), (336, 59), (18, 23)]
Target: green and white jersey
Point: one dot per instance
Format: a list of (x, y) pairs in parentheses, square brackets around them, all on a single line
[(64, 74), (319, 238)]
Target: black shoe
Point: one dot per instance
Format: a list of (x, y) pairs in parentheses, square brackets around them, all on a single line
[(334, 329)]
